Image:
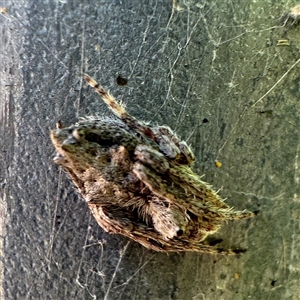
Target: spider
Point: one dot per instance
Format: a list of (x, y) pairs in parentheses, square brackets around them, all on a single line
[(137, 181)]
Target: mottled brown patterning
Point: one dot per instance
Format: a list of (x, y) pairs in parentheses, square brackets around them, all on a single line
[(138, 182)]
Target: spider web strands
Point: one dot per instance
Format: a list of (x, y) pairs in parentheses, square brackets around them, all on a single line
[(117, 109), (280, 79), (122, 252)]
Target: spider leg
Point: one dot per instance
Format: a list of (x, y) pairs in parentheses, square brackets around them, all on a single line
[(168, 142), (118, 109), (174, 148), (168, 218), (185, 191), (117, 221), (156, 172), (239, 215)]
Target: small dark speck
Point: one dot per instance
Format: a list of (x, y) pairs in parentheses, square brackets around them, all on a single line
[(59, 125), (58, 219), (267, 112), (215, 242), (204, 120), (179, 232), (273, 282), (121, 81)]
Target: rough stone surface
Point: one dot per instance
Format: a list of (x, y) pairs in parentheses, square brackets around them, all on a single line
[(202, 67)]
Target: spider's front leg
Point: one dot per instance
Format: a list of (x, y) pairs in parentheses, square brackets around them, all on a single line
[(172, 147), (184, 208), (118, 109), (168, 218)]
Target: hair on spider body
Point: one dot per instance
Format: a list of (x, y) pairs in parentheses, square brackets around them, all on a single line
[(292, 17)]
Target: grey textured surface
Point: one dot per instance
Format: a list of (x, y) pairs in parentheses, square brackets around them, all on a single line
[(186, 61)]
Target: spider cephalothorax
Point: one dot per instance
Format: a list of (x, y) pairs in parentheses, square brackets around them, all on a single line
[(138, 182)]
